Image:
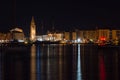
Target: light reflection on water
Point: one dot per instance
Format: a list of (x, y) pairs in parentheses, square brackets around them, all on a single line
[(33, 63), (78, 65), (38, 62), (0, 68), (59, 62)]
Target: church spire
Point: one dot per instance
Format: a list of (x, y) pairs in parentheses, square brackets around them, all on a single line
[(32, 30), (32, 21)]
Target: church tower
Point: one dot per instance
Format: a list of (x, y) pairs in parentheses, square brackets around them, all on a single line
[(32, 30)]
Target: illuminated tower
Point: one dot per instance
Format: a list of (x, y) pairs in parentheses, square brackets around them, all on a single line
[(32, 30)]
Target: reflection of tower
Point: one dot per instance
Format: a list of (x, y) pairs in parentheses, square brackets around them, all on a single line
[(32, 30), (33, 63)]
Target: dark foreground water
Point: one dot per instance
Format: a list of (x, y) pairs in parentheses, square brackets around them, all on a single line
[(59, 62)]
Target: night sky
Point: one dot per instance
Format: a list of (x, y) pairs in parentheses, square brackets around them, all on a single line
[(64, 14)]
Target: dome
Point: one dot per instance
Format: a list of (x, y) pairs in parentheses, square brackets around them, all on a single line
[(16, 30)]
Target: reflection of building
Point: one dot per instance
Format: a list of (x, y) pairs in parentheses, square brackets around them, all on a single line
[(33, 63), (14, 63), (32, 30), (17, 34), (89, 64)]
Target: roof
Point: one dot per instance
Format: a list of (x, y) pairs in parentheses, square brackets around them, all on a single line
[(16, 30)]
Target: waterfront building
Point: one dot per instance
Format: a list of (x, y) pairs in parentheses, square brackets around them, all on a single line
[(2, 36), (74, 36), (98, 35), (90, 35), (5, 37), (67, 36), (42, 38), (17, 34), (59, 36), (55, 36), (32, 30), (87, 35), (103, 34), (8, 36), (81, 34), (115, 34)]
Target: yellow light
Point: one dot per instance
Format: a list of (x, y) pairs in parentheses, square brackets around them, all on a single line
[(26, 42)]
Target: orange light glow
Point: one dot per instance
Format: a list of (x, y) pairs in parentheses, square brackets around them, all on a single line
[(102, 38)]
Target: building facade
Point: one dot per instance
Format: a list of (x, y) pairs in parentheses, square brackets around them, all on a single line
[(115, 34), (17, 34), (103, 33)]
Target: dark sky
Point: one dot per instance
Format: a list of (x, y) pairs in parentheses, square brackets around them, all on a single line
[(65, 14)]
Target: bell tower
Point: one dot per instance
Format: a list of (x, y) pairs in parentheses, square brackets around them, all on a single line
[(32, 30)]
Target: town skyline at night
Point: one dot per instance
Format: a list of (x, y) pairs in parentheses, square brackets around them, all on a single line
[(59, 39)]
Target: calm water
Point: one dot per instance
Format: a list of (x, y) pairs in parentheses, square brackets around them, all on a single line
[(59, 62)]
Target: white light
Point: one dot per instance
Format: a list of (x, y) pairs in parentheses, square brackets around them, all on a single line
[(79, 40), (20, 40), (40, 39)]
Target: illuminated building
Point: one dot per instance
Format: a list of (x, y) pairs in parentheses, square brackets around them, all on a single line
[(87, 35), (90, 35), (42, 38), (32, 30), (17, 34), (81, 34), (104, 33), (115, 34), (8, 36), (74, 35), (55, 36), (50, 37), (67, 35), (5, 37), (58, 36)]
